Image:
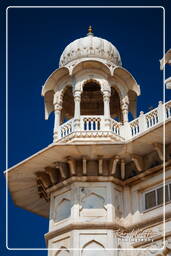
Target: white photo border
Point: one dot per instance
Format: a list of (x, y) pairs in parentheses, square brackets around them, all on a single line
[(76, 7)]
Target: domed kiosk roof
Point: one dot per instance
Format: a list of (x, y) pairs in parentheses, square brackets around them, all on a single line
[(90, 47)]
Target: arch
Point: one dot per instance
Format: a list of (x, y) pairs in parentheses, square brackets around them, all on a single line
[(67, 98), (94, 64), (90, 81), (63, 210), (87, 249), (83, 83), (82, 79), (91, 98), (128, 79), (53, 79), (115, 105), (92, 201), (62, 252), (102, 82), (132, 103)]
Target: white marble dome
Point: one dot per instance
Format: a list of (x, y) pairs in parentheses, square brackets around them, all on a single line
[(90, 47)]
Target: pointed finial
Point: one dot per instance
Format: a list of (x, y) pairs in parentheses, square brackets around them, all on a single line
[(90, 31)]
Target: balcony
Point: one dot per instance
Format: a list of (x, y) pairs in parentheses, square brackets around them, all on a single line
[(97, 128)]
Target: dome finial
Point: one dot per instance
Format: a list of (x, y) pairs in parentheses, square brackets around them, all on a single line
[(90, 31)]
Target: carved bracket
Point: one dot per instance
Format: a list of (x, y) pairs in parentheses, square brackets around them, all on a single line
[(72, 165), (159, 148), (43, 182), (138, 160), (115, 160), (60, 166), (84, 165), (45, 179), (100, 159), (123, 169), (52, 174)]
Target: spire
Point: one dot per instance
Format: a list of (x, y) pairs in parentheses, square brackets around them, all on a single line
[(90, 31)]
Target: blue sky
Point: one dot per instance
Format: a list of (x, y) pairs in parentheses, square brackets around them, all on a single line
[(37, 38)]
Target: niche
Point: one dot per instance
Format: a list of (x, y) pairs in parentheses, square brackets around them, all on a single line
[(63, 210), (93, 248)]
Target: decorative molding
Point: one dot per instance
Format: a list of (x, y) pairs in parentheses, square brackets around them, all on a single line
[(106, 135)]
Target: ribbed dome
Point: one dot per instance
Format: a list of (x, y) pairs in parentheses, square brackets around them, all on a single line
[(90, 47)]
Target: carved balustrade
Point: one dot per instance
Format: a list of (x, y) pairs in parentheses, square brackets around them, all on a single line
[(126, 131)]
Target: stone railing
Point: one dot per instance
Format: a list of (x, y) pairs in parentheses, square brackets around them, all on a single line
[(66, 129), (152, 118), (134, 127), (116, 127), (92, 123), (127, 131), (149, 120)]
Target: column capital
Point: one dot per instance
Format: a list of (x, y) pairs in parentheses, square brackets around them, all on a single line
[(106, 95), (57, 106), (77, 93), (58, 98), (124, 102), (124, 105)]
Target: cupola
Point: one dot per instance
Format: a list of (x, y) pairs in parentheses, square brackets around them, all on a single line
[(90, 47), (90, 93)]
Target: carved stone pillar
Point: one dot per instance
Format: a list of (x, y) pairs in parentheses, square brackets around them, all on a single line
[(77, 100), (106, 100), (57, 112), (124, 108)]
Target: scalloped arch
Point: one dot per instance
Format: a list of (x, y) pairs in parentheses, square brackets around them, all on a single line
[(103, 83)]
